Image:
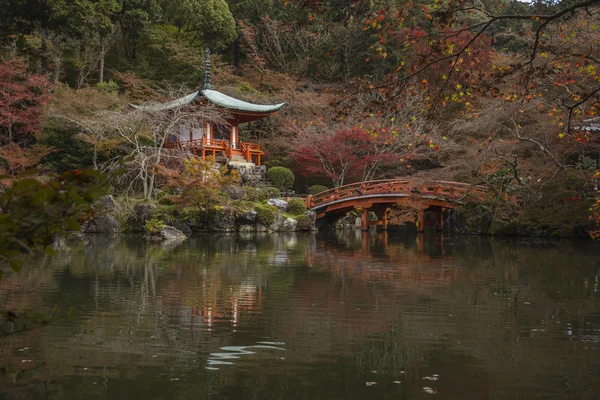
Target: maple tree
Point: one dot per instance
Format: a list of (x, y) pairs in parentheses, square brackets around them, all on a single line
[(200, 183), (22, 98)]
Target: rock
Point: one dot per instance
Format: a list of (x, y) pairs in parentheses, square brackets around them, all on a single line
[(246, 228), (222, 221), (235, 192), (106, 203), (281, 204), (372, 216), (251, 173), (183, 227), (170, 233), (104, 223), (358, 222), (276, 225), (261, 228), (144, 212), (312, 215), (249, 217), (289, 225)]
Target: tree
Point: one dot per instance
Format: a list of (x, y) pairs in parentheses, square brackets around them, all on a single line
[(33, 213), (22, 98), (207, 22), (201, 184), (84, 111)]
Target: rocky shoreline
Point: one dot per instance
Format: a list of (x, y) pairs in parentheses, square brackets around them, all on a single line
[(160, 223)]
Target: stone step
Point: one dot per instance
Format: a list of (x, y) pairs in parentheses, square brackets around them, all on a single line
[(241, 164)]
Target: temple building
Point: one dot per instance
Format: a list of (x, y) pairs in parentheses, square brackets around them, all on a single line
[(215, 140)]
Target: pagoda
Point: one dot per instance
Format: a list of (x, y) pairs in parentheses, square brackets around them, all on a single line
[(212, 139)]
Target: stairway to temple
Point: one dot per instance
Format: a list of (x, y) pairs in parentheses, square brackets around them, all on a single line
[(250, 172)]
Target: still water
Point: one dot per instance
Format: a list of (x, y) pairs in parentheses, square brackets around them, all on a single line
[(325, 316)]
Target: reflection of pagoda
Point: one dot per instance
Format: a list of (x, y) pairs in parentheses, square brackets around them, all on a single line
[(212, 139)]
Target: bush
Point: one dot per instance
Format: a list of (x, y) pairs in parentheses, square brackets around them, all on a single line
[(304, 222), (164, 198), (281, 177), (265, 214), (316, 189), (154, 226), (262, 193), (296, 206)]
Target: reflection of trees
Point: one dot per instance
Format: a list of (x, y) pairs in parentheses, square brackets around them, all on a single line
[(365, 303)]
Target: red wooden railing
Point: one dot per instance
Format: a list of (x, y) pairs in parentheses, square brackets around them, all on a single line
[(217, 145), (452, 191)]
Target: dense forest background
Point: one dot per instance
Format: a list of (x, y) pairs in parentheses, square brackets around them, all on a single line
[(493, 92)]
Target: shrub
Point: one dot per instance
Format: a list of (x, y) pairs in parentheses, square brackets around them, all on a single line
[(154, 226), (262, 193), (304, 222), (281, 177), (315, 189), (296, 206), (164, 198), (265, 214)]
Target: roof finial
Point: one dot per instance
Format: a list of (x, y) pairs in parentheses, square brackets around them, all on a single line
[(207, 84)]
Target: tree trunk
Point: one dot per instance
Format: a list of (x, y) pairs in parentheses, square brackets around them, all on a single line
[(102, 55), (44, 50), (236, 56), (95, 156), (57, 58)]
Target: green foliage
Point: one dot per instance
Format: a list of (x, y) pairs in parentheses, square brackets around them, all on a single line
[(210, 21), (110, 86), (259, 194), (296, 206), (315, 189), (71, 153), (281, 177), (304, 222), (33, 212), (164, 198), (201, 185), (154, 225), (266, 214)]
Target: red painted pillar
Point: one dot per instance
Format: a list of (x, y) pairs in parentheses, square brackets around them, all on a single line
[(385, 221), (308, 200), (364, 219), (421, 221)]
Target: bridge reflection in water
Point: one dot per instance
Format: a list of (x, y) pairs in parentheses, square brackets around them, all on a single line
[(379, 196)]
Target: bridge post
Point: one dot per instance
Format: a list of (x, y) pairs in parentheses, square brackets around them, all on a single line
[(439, 221), (421, 221), (309, 201), (364, 219), (384, 219)]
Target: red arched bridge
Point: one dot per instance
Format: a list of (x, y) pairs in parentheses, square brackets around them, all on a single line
[(379, 196)]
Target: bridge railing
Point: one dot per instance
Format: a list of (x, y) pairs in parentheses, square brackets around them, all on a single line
[(455, 191)]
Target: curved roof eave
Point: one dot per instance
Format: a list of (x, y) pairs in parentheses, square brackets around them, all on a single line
[(169, 105), (225, 101)]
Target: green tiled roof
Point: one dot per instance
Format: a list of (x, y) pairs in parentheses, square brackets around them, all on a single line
[(215, 97), (232, 103)]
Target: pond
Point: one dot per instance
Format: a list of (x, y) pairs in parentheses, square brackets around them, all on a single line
[(310, 316)]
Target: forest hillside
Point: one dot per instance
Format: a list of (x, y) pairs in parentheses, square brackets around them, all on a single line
[(490, 92)]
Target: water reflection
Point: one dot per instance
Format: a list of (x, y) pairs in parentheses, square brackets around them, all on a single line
[(235, 352), (361, 316)]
